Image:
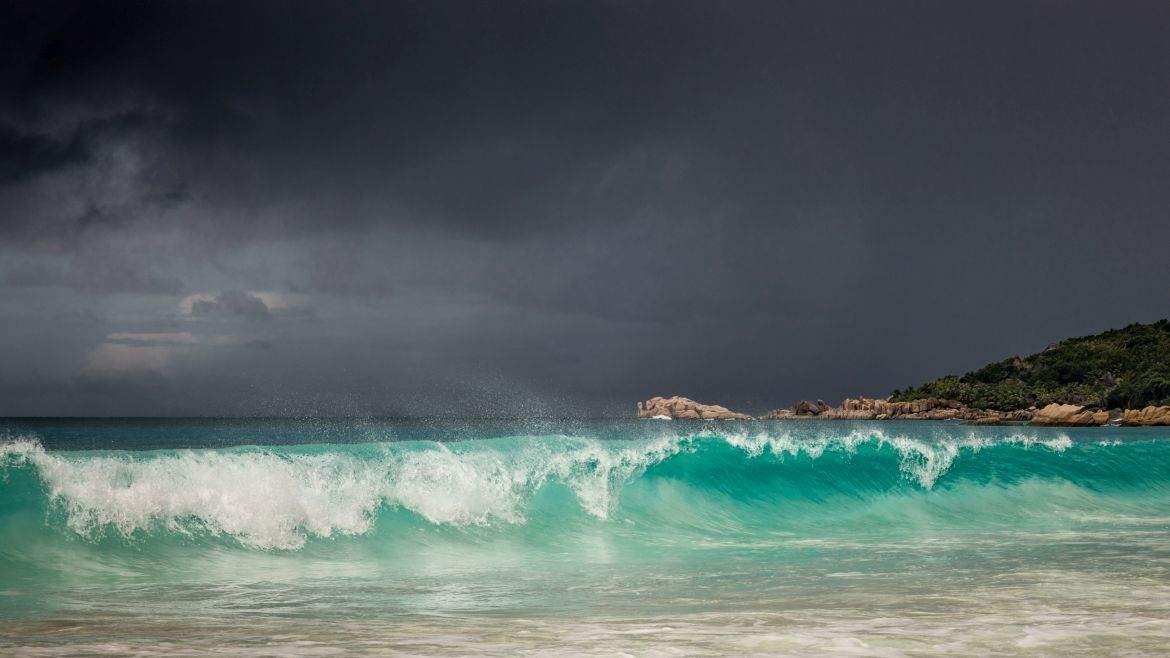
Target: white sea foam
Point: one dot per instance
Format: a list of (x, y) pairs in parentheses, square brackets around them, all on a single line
[(274, 500), (269, 500), (17, 450), (263, 500), (921, 460), (445, 487), (595, 472)]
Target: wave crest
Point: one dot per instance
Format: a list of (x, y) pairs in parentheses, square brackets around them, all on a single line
[(279, 498), (920, 460)]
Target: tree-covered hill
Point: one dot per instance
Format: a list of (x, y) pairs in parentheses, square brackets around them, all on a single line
[(1126, 368)]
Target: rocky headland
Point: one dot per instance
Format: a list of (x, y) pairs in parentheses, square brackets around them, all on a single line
[(1073, 415), (862, 408), (1146, 416), (686, 409), (1116, 377)]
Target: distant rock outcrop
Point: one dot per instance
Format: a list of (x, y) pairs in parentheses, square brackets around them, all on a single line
[(778, 414), (1069, 415), (1146, 416), (686, 409), (875, 409), (1053, 415), (806, 408), (986, 420), (926, 408)]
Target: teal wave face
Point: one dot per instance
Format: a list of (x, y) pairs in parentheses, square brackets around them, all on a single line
[(653, 537), (735, 486)]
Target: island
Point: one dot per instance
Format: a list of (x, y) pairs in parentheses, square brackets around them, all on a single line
[(1118, 377)]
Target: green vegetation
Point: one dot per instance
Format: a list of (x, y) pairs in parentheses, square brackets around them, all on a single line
[(1127, 368)]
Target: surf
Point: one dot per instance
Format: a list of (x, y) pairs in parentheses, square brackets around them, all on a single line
[(708, 483)]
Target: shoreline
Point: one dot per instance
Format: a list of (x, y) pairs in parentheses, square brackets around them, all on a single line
[(861, 408)]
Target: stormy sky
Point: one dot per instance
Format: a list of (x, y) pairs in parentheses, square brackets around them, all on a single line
[(557, 208)]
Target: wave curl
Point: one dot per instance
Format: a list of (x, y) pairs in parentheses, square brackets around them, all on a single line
[(280, 498)]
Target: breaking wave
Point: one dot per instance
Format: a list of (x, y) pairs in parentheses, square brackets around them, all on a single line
[(737, 484)]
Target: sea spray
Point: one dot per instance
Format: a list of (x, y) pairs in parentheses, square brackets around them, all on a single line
[(303, 538), (281, 497)]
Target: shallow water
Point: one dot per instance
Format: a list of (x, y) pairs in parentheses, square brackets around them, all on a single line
[(648, 538)]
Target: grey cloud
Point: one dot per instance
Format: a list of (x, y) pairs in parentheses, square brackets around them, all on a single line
[(99, 271), (232, 303), (569, 205), (30, 274), (23, 155), (103, 272)]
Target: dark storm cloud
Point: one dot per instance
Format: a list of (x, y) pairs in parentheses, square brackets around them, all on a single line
[(28, 154), (582, 202), (232, 303)]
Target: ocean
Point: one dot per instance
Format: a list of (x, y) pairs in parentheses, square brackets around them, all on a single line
[(315, 538)]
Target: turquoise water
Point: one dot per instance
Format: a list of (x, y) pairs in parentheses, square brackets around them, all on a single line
[(645, 538)]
